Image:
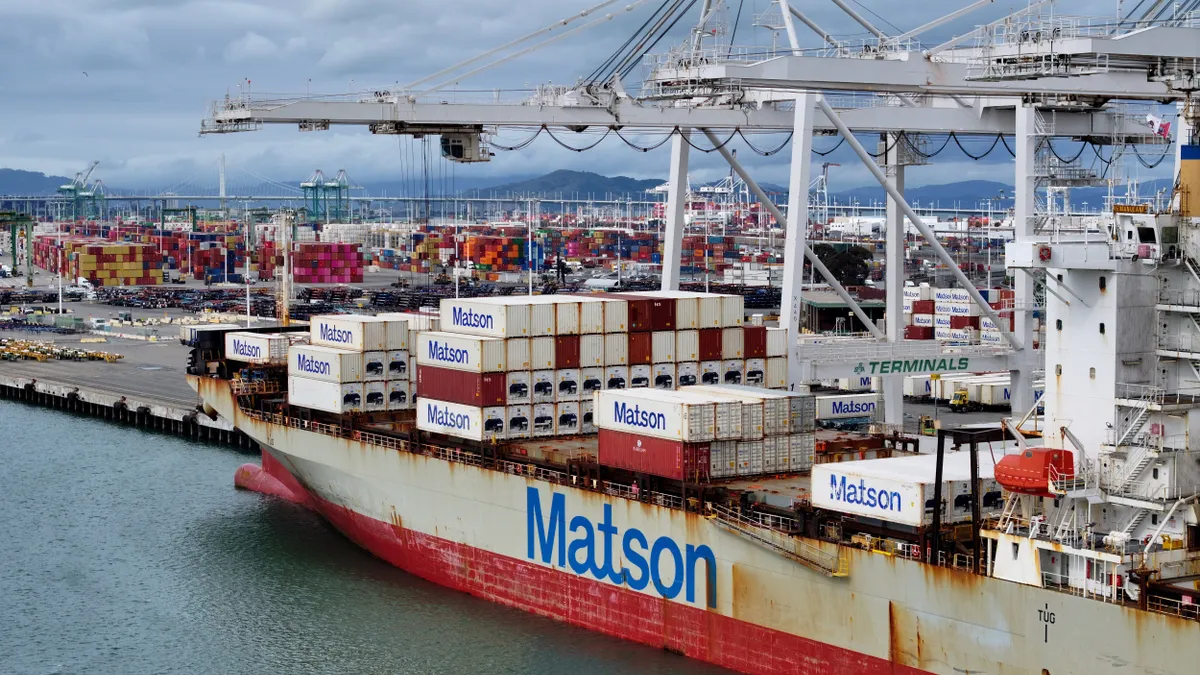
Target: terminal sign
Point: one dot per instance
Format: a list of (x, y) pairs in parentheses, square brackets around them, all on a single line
[(898, 366)]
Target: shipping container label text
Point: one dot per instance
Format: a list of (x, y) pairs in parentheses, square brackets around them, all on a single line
[(468, 318), (307, 364), (913, 366), (446, 353), (335, 334), (445, 417), (634, 416), (246, 350), (852, 407), (861, 495), (547, 541)]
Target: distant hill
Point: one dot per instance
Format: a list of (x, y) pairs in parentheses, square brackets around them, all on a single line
[(582, 183), (967, 193), (18, 182)]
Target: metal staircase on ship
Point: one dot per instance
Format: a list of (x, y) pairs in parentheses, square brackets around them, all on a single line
[(829, 564)]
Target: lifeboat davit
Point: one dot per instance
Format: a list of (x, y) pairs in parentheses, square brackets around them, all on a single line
[(1029, 472)]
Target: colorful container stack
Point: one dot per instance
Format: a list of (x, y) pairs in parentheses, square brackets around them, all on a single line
[(949, 314), (105, 264), (353, 364), (327, 263)]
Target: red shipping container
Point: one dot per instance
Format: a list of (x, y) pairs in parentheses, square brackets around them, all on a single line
[(755, 342), (641, 348), (964, 322), (677, 460), (566, 351), (459, 386), (640, 312), (710, 344), (918, 332), (662, 314), (923, 307)]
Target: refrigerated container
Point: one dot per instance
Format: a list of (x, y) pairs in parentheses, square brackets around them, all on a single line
[(710, 372), (265, 349), (616, 377), (587, 417), (687, 374), (749, 458), (616, 349), (662, 347), (543, 420), (733, 371), (590, 380), (397, 364), (520, 421), (462, 387), (639, 376), (566, 418), (732, 343), (568, 383), (775, 454), (670, 415), (451, 419), (591, 350), (375, 396), (375, 366), (517, 354), (543, 317), (676, 460), (399, 395), (487, 317), (518, 387), (756, 372), (663, 375), (331, 397), (541, 353), (566, 351), (462, 352), (349, 331), (687, 345), (328, 364), (544, 384)]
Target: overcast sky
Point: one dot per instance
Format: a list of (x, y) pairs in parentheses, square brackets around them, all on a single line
[(127, 82)]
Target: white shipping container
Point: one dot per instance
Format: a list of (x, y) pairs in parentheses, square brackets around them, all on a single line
[(710, 372), (677, 416), (848, 406), (733, 311), (960, 295), (709, 312), (750, 458), (941, 321), (452, 419), (774, 410), (328, 364), (722, 459), (616, 349), (922, 319), (687, 345), (639, 376), (520, 421), (991, 337), (567, 384), (495, 423), (940, 333), (591, 380), (733, 343), (965, 309), (733, 371), (488, 317), (566, 420), (968, 335), (687, 374), (331, 397), (616, 377), (543, 420), (587, 417), (567, 318), (543, 317), (416, 321), (517, 354), (943, 295), (663, 375), (519, 387), (257, 348), (756, 372), (775, 454), (591, 350), (802, 450), (349, 331), (776, 342), (591, 316), (397, 333), (918, 293), (541, 353), (917, 386), (397, 364), (662, 346), (375, 365), (399, 396), (995, 394), (471, 353), (375, 398), (616, 317), (776, 373), (544, 384), (906, 305), (943, 307)]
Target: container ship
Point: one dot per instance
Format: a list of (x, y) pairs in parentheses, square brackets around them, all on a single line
[(638, 465)]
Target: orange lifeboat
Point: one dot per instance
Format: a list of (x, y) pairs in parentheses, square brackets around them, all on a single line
[(1029, 472)]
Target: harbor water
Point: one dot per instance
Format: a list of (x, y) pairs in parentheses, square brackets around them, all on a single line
[(128, 551)]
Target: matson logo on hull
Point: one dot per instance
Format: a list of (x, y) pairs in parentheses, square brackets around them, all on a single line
[(663, 564)]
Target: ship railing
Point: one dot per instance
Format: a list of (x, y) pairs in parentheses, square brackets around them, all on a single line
[(246, 387), (1180, 608), (1104, 590), (751, 527)]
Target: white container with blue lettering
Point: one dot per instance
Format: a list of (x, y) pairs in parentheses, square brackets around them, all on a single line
[(452, 419), (488, 317), (671, 415), (469, 353), (325, 364), (256, 348), (350, 331)]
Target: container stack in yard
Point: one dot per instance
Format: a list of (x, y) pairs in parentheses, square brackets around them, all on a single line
[(102, 263), (353, 364), (949, 315), (327, 263)]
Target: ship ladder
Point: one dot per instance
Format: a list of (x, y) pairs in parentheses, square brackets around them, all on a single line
[(812, 557)]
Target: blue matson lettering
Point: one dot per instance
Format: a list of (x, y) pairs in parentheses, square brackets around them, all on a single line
[(468, 318), (446, 353), (335, 334), (246, 349), (852, 407), (445, 417), (546, 540), (861, 495), (307, 364), (634, 416)]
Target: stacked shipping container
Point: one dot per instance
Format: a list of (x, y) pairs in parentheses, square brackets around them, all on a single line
[(353, 364)]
